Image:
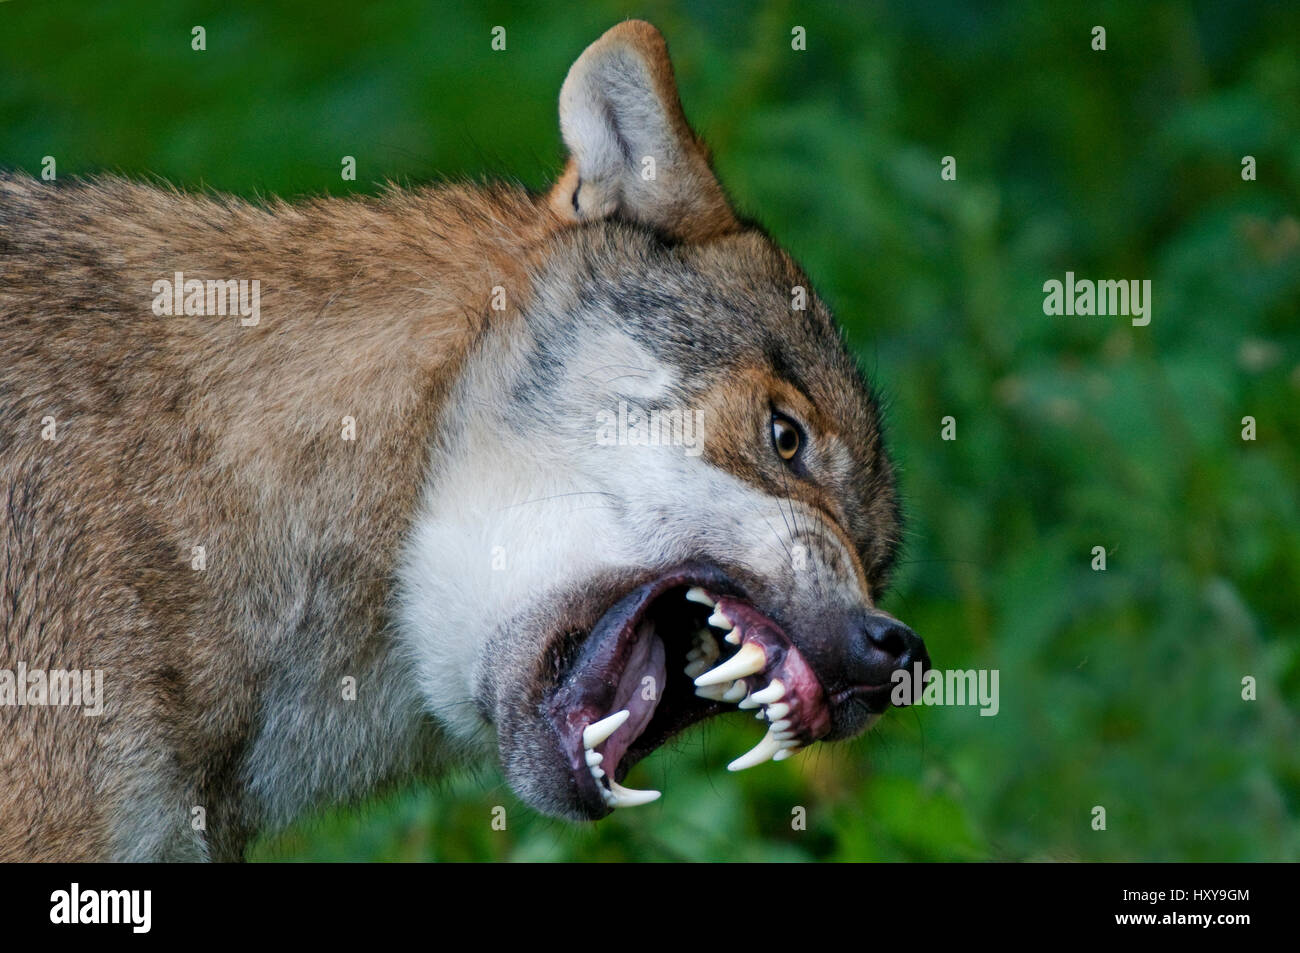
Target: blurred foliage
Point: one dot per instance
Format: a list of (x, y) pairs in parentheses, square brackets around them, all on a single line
[(1119, 688)]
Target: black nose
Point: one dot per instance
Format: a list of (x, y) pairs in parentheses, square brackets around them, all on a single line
[(886, 647), (900, 645)]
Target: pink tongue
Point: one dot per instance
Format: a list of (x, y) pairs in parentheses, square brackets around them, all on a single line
[(639, 690)]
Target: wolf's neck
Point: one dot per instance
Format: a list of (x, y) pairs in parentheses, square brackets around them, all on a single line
[(314, 430)]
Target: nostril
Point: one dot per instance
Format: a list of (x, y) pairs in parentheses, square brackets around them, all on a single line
[(915, 654), (895, 640), (891, 639), (883, 648)]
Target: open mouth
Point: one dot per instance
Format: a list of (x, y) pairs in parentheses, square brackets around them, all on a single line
[(670, 653)]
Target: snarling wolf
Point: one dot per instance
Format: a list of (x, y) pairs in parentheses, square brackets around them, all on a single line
[(415, 512)]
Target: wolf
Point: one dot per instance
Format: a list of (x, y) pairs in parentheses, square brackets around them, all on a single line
[(382, 530)]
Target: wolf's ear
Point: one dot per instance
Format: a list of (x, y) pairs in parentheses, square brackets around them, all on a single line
[(631, 150)]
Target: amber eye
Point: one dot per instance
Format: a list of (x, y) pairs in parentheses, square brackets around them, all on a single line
[(785, 437)]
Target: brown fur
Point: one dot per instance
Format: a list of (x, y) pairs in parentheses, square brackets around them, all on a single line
[(182, 431)]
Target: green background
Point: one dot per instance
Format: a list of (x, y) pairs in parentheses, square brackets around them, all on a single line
[(1120, 688)]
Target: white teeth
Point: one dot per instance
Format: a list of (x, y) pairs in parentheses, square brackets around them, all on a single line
[(619, 796), (613, 793), (733, 636), (702, 655), (747, 702), (773, 693), (696, 594), (780, 725), (749, 660), (763, 751), (598, 731), (783, 754), (789, 744), (719, 621), (778, 711), (706, 645), (715, 693), (736, 692)]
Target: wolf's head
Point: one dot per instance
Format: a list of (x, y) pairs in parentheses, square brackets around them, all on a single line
[(661, 495)]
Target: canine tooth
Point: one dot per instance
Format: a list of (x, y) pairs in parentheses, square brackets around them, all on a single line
[(630, 797), (747, 702), (696, 594), (749, 660), (763, 751), (773, 693), (720, 621), (781, 724), (715, 693), (598, 731), (778, 711), (736, 692), (594, 758)]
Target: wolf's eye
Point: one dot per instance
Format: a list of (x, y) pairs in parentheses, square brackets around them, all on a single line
[(785, 437)]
